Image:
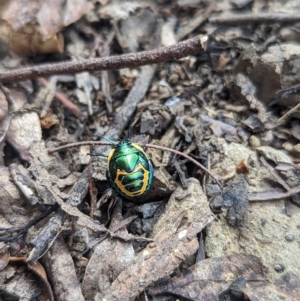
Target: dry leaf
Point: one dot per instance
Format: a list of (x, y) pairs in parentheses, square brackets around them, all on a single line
[(219, 127), (208, 278), (49, 120), (109, 259), (39, 271), (4, 256), (3, 106), (242, 167), (118, 10), (12, 203), (61, 271), (287, 288), (175, 238), (44, 180), (31, 27), (17, 282), (275, 155)]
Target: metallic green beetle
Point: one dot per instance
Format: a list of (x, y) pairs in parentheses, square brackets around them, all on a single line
[(130, 172)]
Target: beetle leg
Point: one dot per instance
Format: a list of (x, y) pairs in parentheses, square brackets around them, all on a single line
[(108, 190)]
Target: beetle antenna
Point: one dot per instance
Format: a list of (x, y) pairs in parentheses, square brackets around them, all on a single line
[(106, 138), (76, 144), (129, 132), (109, 140)]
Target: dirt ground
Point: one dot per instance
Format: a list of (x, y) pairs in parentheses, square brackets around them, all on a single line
[(208, 91)]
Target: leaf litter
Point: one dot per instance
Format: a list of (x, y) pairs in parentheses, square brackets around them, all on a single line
[(224, 107)]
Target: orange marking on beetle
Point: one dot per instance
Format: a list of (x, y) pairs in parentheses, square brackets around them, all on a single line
[(111, 154), (122, 187)]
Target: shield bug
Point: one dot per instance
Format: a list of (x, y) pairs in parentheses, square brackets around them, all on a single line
[(129, 171)]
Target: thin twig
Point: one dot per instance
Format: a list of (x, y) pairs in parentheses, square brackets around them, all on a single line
[(283, 119), (185, 156), (53, 227), (63, 99), (234, 19), (181, 174), (274, 174), (254, 197), (18, 231), (286, 93), (76, 144), (275, 194), (289, 90), (280, 181), (10, 102), (196, 21), (164, 54), (93, 191)]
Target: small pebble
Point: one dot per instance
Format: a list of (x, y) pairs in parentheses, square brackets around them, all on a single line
[(242, 245), (254, 141), (263, 221), (152, 245), (278, 268), (289, 237)]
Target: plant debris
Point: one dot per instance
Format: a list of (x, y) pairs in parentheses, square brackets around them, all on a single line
[(209, 91)]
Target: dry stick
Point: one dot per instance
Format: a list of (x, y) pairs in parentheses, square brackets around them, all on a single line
[(257, 197), (233, 19), (284, 94), (254, 197), (52, 150), (283, 119), (9, 100), (274, 174), (185, 156), (75, 144), (280, 181), (195, 22), (93, 191), (63, 99), (164, 54)]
